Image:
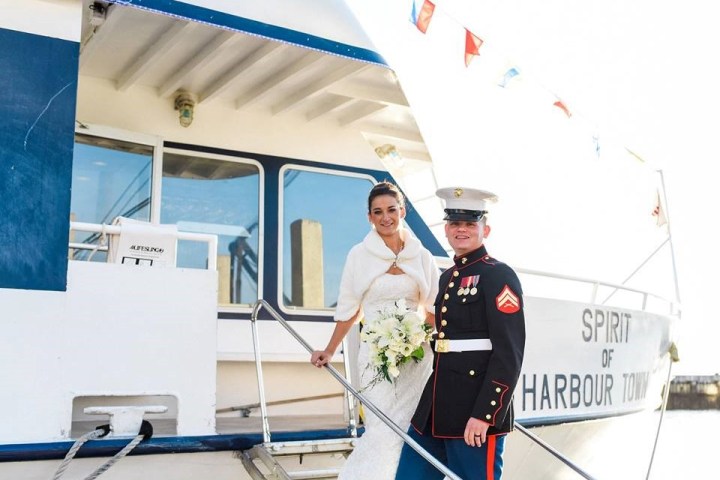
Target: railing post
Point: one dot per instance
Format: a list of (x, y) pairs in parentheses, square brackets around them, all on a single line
[(594, 292), (352, 426), (258, 369)]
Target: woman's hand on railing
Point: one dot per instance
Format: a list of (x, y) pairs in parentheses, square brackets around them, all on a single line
[(320, 358)]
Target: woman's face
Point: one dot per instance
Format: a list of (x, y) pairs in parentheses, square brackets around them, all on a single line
[(386, 215)]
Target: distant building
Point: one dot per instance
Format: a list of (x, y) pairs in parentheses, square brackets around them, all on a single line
[(694, 392)]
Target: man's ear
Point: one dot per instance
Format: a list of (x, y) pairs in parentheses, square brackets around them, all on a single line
[(486, 231)]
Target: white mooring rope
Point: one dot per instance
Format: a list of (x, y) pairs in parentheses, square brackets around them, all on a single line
[(95, 434)]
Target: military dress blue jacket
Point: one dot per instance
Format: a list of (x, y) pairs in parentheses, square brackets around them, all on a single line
[(479, 298)]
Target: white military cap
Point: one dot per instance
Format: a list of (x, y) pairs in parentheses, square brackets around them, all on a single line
[(465, 204)]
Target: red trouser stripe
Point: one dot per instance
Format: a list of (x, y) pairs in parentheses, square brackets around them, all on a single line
[(490, 460)]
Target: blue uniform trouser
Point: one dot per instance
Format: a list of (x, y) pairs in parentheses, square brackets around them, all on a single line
[(469, 463)]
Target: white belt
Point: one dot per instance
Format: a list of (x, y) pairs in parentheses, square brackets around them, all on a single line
[(442, 345)]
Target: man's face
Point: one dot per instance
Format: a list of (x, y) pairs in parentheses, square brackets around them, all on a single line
[(464, 237)]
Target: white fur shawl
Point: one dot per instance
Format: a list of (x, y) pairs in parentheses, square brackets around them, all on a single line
[(371, 258)]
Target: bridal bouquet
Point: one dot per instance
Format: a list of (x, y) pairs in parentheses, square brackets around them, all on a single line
[(394, 338)]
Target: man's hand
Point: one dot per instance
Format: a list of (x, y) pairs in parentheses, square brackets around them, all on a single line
[(476, 432), (320, 358)]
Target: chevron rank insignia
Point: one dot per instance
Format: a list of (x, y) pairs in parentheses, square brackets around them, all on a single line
[(507, 301)]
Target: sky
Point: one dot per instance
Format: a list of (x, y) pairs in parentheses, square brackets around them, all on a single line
[(635, 75)]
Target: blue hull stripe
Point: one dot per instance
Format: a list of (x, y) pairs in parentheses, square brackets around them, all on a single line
[(158, 445), (216, 443)]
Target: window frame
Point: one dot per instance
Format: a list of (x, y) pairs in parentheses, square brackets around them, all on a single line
[(291, 310), (153, 141), (239, 308)]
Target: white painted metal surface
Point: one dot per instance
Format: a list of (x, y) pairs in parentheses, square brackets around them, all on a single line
[(117, 332)]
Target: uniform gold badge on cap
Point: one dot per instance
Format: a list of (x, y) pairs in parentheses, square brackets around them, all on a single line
[(465, 204)]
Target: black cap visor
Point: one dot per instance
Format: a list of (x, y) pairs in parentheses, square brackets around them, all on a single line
[(464, 215)]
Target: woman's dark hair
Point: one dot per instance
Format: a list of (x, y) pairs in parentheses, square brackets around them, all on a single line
[(385, 188)]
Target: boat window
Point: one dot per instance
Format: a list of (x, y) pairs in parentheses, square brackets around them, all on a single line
[(324, 215), (110, 178), (221, 197)]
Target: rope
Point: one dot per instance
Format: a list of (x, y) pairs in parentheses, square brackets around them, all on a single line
[(95, 434), (105, 466), (673, 352), (146, 431)]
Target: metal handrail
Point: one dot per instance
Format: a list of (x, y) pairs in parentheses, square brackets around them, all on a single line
[(340, 378), (446, 262), (554, 452)]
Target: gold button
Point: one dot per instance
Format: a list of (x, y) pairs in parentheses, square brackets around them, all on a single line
[(446, 296), (497, 389), (472, 372), (488, 417), (444, 309), (456, 273), (441, 334), (464, 300), (493, 403), (443, 323), (452, 284)]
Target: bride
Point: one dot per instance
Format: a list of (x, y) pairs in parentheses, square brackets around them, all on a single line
[(388, 265)]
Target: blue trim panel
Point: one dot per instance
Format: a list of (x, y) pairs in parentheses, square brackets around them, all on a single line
[(38, 85), (158, 445), (253, 27)]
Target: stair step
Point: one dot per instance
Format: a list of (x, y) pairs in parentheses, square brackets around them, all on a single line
[(284, 460)]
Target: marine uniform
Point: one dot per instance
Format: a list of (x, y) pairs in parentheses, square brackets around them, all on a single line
[(480, 303), (478, 354)]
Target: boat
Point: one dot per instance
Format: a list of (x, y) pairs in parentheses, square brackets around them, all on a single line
[(174, 175)]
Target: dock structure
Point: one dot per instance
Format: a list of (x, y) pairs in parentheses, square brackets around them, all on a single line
[(695, 392)]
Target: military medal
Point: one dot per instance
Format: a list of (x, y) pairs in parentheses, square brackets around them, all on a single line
[(464, 289), (475, 280)]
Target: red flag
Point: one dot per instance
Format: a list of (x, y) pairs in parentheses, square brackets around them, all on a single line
[(421, 17), (472, 46), (562, 107), (659, 212)]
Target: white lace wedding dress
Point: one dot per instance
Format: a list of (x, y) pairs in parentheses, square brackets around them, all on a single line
[(377, 452)]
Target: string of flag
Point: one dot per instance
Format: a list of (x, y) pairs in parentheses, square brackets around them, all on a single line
[(421, 16)]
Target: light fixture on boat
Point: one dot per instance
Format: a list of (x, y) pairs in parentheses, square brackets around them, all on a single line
[(388, 153), (98, 13), (185, 104)]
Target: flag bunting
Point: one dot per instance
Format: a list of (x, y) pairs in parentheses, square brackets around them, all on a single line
[(421, 14)]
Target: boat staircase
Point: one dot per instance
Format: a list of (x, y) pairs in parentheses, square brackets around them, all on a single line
[(300, 459), (323, 458)]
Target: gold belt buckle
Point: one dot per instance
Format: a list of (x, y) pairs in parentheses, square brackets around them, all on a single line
[(442, 345)]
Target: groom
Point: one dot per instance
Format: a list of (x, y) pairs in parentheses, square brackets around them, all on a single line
[(466, 408)]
